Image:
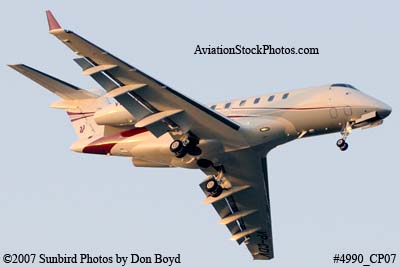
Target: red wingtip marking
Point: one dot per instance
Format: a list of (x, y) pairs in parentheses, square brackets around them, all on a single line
[(53, 24)]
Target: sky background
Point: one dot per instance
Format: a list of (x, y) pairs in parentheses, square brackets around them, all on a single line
[(323, 201)]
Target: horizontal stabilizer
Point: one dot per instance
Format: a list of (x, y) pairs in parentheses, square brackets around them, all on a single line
[(62, 89)]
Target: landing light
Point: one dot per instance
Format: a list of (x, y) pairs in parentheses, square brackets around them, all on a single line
[(264, 129)]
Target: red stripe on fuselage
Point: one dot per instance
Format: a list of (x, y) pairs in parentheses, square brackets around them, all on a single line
[(102, 149), (133, 132), (240, 116), (104, 144)]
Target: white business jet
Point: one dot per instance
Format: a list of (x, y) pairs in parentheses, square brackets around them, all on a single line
[(144, 119)]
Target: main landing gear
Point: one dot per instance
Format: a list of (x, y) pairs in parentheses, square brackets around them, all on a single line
[(186, 146), (341, 143), (217, 183), (213, 187)]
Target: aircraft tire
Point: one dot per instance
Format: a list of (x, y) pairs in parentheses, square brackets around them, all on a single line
[(340, 142), (204, 163), (176, 146), (194, 151), (217, 192), (181, 153), (213, 188), (211, 185), (344, 147)]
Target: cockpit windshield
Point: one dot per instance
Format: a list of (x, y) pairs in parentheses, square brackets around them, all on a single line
[(344, 85)]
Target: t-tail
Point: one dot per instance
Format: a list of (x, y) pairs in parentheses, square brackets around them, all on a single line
[(79, 104)]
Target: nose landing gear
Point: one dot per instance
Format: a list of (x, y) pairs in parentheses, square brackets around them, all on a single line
[(341, 143)]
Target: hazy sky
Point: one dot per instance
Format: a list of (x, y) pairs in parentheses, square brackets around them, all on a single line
[(323, 201)]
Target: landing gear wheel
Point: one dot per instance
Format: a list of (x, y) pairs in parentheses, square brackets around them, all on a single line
[(181, 153), (344, 147), (213, 188), (211, 185), (194, 151), (340, 142), (217, 192), (204, 163), (176, 146)]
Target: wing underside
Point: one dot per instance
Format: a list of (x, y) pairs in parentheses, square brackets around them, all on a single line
[(245, 208), (143, 95)]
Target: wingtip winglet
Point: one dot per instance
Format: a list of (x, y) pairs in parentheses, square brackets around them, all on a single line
[(51, 20)]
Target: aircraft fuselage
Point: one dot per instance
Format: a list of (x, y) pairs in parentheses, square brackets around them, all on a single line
[(266, 121)]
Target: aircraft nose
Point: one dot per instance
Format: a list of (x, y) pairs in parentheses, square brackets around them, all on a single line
[(384, 110)]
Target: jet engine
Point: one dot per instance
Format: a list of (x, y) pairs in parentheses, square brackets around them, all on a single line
[(114, 115)]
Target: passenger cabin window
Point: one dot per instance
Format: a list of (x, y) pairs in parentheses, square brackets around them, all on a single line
[(285, 96), (213, 107), (227, 105), (271, 98), (256, 100), (242, 103)]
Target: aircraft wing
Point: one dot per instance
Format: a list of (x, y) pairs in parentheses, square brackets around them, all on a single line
[(151, 102), (245, 208)]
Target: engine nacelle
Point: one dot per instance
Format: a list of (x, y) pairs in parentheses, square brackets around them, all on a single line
[(146, 163), (114, 115)]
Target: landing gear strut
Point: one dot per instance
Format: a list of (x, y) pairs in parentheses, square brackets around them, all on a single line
[(341, 143)]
